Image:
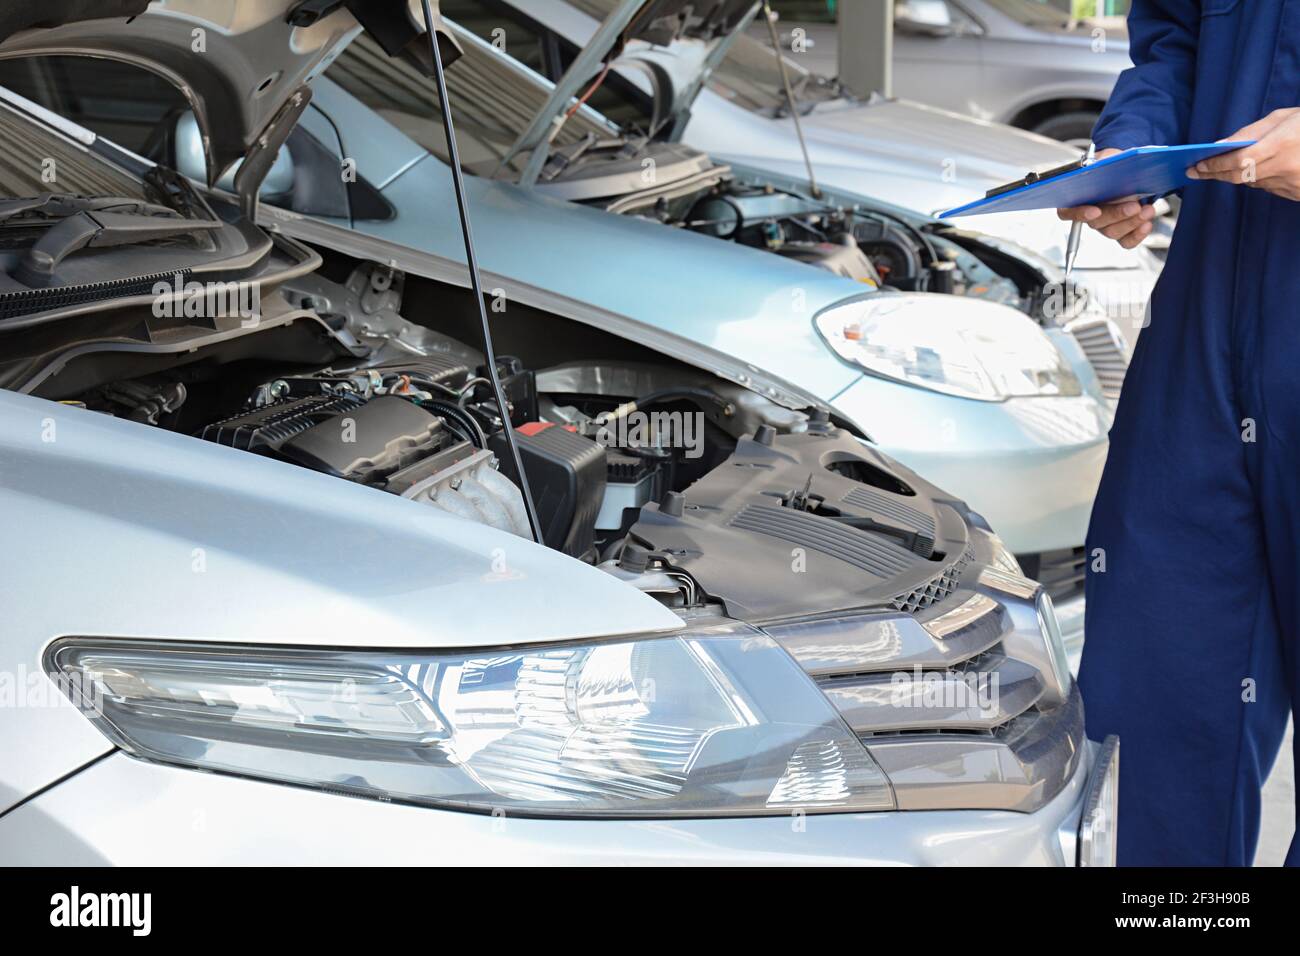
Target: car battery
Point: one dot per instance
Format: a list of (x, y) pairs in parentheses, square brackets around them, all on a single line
[(566, 474)]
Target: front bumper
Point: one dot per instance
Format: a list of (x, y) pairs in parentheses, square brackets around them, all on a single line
[(1030, 466), (123, 811)]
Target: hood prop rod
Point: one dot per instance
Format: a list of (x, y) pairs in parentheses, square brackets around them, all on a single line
[(444, 104), (770, 17)]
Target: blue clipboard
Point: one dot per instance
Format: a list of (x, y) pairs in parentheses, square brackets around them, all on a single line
[(1146, 172)]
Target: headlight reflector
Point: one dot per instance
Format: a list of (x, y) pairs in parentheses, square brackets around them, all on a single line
[(961, 347), (714, 721)]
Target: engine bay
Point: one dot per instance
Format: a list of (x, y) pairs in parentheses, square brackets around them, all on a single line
[(886, 249), (658, 472)]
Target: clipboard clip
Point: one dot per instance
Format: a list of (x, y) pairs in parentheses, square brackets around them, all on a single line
[(1030, 178)]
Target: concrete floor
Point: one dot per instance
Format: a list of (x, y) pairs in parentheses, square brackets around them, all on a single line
[(1278, 822)]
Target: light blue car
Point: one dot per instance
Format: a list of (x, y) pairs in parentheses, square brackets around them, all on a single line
[(961, 384), (917, 156)]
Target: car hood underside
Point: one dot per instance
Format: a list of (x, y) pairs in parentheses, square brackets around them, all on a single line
[(241, 65)]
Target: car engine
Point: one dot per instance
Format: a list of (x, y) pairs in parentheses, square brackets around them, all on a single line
[(338, 381), (364, 431), (874, 245)]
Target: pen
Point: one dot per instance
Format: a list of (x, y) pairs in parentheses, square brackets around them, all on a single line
[(1076, 227)]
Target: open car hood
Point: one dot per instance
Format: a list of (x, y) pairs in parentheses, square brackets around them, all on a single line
[(662, 22), (242, 64), (636, 33)]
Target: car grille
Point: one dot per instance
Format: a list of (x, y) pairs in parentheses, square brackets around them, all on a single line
[(1106, 350), (941, 700), (938, 589), (1060, 572)]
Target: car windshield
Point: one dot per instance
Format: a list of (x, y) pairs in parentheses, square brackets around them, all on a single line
[(35, 161), (493, 100), (750, 76)]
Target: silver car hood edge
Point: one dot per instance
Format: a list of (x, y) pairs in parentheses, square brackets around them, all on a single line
[(243, 549)]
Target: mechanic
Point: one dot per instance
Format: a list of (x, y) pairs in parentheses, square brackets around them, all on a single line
[(1193, 590)]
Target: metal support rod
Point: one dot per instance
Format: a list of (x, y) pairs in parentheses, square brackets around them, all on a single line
[(790, 103), (537, 138), (471, 260)]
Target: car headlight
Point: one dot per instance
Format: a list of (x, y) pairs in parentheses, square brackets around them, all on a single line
[(962, 347), (712, 721), (1000, 556), (1099, 821)]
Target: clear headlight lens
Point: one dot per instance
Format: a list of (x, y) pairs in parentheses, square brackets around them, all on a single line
[(714, 721), (1099, 823), (959, 347), (1000, 556)]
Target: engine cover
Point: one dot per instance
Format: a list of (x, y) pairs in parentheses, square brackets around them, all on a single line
[(341, 435), (386, 441), (805, 523)]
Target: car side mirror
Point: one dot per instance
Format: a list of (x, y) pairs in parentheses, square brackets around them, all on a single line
[(188, 160), (923, 17)]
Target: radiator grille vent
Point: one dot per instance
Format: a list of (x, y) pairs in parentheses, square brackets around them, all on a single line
[(1060, 572), (937, 589), (1104, 345)]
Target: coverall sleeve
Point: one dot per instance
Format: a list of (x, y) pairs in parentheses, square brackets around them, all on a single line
[(1152, 100)]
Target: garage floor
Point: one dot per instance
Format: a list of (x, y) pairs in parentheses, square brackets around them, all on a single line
[(1279, 809)]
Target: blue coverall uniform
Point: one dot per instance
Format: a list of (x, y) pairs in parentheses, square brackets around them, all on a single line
[(1193, 588)]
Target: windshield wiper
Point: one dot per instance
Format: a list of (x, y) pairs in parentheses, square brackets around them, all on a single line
[(49, 206), (97, 228)]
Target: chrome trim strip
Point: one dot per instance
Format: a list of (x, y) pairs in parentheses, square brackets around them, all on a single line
[(970, 612), (1014, 585), (1025, 639), (865, 643), (1101, 804), (984, 696), (1021, 767)]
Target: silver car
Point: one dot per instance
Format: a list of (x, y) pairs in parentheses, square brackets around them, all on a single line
[(1022, 62), (270, 594), (1005, 407)]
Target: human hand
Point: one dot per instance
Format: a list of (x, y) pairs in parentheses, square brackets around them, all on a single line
[(1127, 221), (1271, 164)]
